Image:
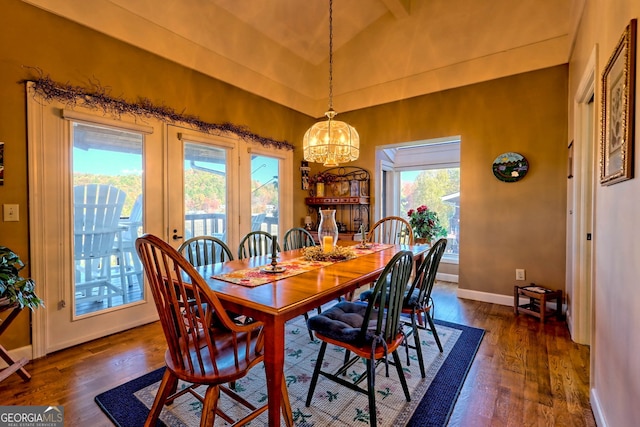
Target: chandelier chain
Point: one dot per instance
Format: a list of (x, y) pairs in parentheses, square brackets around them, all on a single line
[(330, 55), (331, 142)]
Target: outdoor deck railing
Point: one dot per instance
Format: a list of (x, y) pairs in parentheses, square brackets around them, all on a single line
[(214, 224)]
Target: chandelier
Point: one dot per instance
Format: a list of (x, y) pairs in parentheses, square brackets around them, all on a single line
[(331, 142)]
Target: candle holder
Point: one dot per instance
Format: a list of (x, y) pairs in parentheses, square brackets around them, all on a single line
[(328, 230), (363, 243), (274, 259)]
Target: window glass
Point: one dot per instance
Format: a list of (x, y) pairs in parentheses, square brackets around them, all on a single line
[(439, 190), (265, 194), (205, 191), (108, 217)]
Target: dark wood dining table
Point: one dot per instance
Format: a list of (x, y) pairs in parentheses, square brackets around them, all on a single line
[(277, 302)]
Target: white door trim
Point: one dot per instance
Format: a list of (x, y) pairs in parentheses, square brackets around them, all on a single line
[(580, 316), (51, 247)]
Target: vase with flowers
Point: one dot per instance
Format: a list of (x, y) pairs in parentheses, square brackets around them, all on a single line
[(425, 224)]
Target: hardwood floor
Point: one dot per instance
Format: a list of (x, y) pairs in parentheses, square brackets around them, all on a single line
[(525, 373)]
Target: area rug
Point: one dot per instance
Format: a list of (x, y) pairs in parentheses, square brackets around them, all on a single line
[(432, 398)]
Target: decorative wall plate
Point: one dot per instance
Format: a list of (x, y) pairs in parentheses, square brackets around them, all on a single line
[(510, 167)]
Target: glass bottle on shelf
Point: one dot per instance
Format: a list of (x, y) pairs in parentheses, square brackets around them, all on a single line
[(328, 230)]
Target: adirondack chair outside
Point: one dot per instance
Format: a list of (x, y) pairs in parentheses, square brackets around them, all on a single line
[(131, 230), (97, 209)]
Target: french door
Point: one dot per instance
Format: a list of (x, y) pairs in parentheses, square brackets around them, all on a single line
[(222, 187), (202, 174), (166, 180), (87, 176)]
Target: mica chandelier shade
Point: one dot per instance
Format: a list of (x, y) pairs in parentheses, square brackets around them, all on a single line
[(332, 141)]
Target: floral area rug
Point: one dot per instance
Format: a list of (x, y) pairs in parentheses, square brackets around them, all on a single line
[(432, 398)]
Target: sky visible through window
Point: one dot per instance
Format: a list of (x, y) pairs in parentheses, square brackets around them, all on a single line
[(102, 162), (111, 163)]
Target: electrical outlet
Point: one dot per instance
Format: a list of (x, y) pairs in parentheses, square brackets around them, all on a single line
[(520, 274), (11, 213)]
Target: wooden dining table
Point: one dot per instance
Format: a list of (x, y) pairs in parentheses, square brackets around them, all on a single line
[(277, 302)]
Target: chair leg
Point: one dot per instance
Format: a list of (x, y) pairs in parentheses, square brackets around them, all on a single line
[(420, 316), (306, 319), (209, 406), (371, 392), (403, 381), (169, 382), (172, 392), (416, 338), (347, 356), (433, 330), (316, 373)]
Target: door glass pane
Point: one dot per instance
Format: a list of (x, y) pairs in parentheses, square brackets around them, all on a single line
[(205, 191), (107, 217), (439, 190), (264, 194)]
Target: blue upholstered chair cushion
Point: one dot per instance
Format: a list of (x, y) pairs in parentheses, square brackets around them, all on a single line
[(410, 301), (343, 322)]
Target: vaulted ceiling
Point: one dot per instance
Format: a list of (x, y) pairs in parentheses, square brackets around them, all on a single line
[(384, 50)]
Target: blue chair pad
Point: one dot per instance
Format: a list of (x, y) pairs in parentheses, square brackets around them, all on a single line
[(343, 322)]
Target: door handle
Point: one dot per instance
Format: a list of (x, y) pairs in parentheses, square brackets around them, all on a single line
[(175, 234)]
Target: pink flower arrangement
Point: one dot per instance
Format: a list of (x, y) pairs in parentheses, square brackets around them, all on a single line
[(425, 223)]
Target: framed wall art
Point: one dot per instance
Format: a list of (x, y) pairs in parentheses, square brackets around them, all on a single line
[(618, 110)]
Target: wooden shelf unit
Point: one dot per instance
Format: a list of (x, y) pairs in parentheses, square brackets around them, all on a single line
[(348, 193)]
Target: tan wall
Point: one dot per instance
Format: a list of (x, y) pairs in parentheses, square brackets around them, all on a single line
[(503, 226), (71, 53)]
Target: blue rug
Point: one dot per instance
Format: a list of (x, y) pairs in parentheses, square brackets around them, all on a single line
[(433, 398)]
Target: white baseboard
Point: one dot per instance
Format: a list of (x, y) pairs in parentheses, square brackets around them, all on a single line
[(453, 278), (597, 410), (494, 298), (107, 330), (17, 354), (485, 297)]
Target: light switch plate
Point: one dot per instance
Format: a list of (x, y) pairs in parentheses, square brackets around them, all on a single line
[(11, 212)]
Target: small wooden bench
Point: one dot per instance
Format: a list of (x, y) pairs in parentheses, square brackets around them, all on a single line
[(537, 305)]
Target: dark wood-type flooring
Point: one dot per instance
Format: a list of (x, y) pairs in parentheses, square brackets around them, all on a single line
[(525, 373)]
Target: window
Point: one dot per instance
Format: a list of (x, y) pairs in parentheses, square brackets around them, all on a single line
[(423, 173), (205, 190), (107, 187), (265, 205), (438, 189)]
